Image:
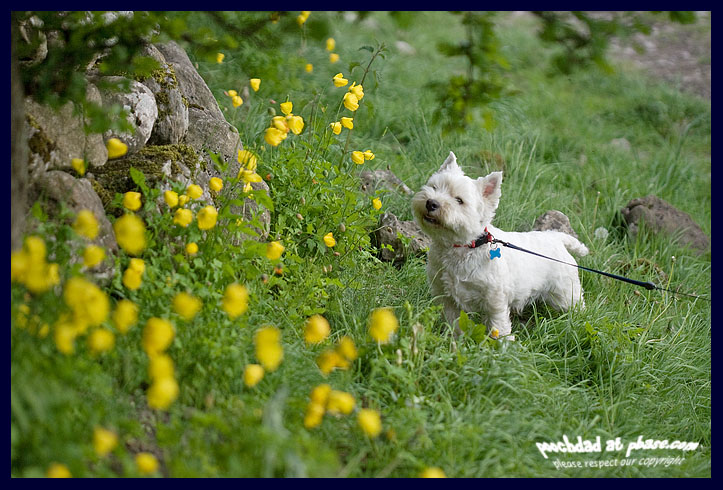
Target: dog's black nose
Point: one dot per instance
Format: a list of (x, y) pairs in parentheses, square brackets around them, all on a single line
[(432, 205)]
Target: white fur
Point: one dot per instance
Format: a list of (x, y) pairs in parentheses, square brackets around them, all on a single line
[(466, 278)]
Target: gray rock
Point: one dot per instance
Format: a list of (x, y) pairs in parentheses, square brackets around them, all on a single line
[(621, 144), (143, 112), (208, 133), (54, 138), (387, 234), (60, 188), (383, 179), (190, 83), (554, 220), (662, 217), (172, 122)]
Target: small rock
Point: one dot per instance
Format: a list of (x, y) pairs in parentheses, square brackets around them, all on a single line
[(621, 144), (383, 179), (387, 234), (554, 220), (662, 217)]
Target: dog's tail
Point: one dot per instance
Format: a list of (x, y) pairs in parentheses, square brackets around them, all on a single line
[(573, 245)]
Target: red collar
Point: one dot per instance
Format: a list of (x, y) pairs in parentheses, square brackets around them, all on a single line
[(483, 239)]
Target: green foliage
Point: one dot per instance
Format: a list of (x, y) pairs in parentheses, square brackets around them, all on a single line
[(628, 365)]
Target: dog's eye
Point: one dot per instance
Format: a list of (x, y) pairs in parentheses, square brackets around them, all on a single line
[(459, 200), (434, 187)]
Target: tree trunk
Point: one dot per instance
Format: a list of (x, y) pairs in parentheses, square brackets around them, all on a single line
[(18, 151)]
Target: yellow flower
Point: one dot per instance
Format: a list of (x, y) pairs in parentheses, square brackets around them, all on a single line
[(157, 336), (93, 255), (346, 348), (215, 184), (235, 300), (296, 123), (85, 224), (220, 57), (339, 80), (368, 155), (347, 122), (357, 90), (320, 394), (377, 203), (183, 199), (236, 101), (162, 393), (207, 217), (433, 473), (357, 157), (253, 374), (268, 349), (132, 279), (130, 233), (340, 402), (329, 240), (302, 17), (316, 330), (333, 58), (314, 415), (351, 101), (58, 470), (370, 422), (125, 315), (335, 127), (232, 93), (247, 159), (329, 360), (382, 324), (274, 136), (116, 148), (171, 198), (194, 191), (19, 260), (330, 44), (183, 217), (79, 165), (137, 265), (274, 250), (64, 337), (89, 303), (101, 340), (255, 84), (186, 305), (309, 68), (132, 200), (160, 366), (35, 247), (280, 123), (146, 463), (286, 107), (192, 248), (104, 441)]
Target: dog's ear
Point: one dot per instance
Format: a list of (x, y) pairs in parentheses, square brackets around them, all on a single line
[(450, 164), (491, 187)]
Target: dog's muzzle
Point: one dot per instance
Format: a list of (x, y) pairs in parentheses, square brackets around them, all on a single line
[(431, 206)]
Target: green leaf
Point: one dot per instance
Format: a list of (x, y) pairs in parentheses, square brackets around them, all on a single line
[(139, 179)]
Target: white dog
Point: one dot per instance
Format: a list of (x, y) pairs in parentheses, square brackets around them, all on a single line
[(455, 210)]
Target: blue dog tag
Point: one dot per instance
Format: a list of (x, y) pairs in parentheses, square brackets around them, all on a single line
[(495, 252)]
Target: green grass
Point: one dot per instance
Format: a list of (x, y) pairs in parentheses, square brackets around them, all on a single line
[(628, 365)]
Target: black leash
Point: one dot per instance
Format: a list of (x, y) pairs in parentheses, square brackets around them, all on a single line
[(488, 238)]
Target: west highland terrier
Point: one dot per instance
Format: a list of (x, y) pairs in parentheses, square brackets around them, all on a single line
[(467, 274)]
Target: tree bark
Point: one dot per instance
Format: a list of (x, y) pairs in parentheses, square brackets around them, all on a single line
[(18, 151)]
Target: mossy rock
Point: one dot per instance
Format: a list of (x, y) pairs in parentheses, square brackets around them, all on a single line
[(157, 162)]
